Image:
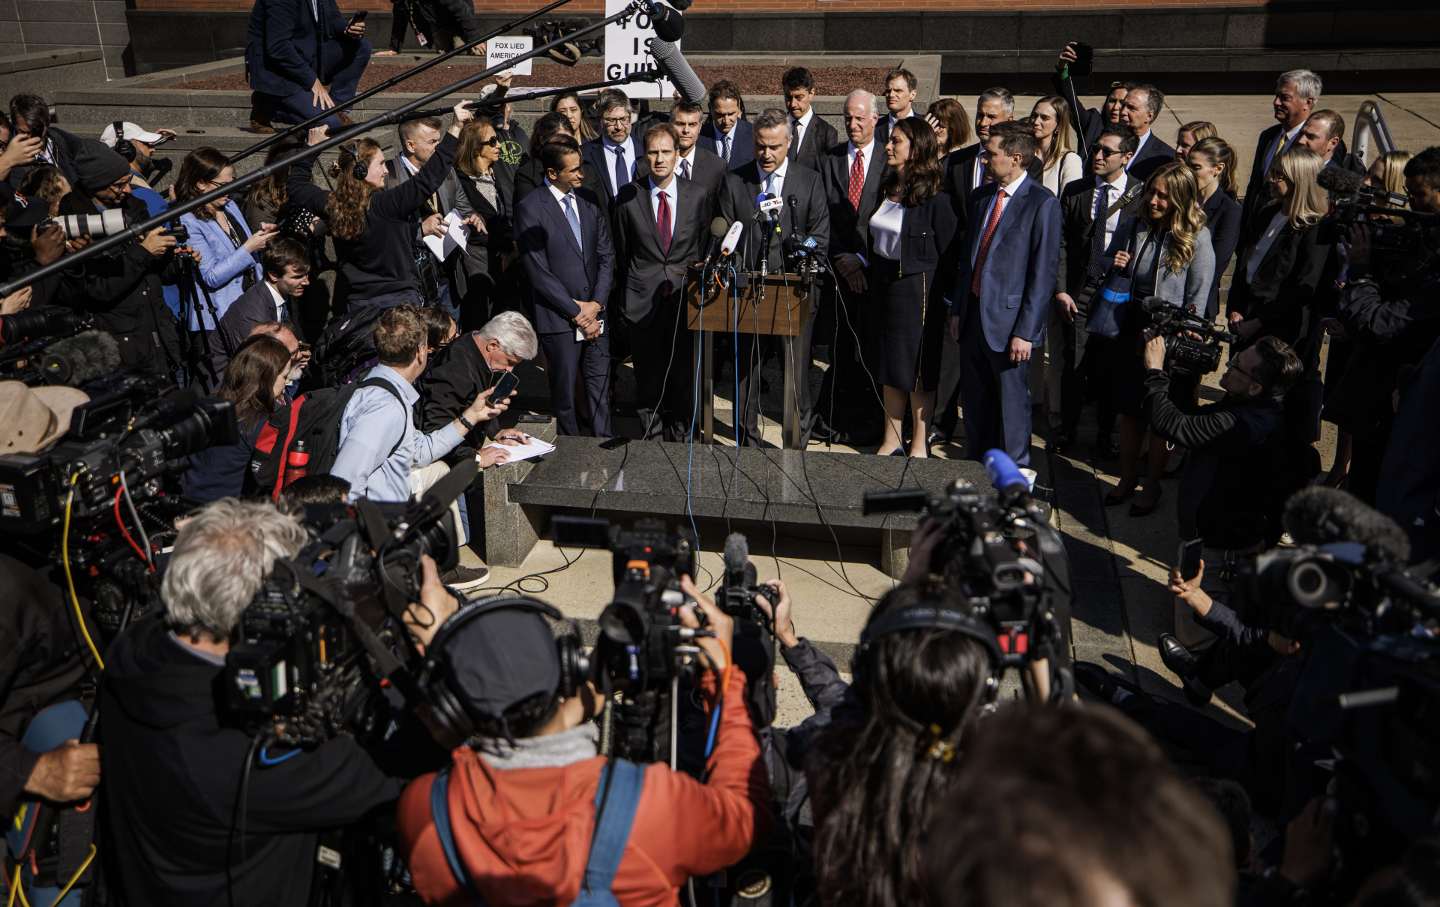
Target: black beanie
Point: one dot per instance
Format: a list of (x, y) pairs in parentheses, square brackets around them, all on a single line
[(98, 166)]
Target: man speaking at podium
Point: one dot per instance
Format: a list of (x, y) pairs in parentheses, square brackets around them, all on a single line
[(775, 199)]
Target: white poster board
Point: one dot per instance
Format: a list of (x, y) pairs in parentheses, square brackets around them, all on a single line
[(627, 50), (498, 50)]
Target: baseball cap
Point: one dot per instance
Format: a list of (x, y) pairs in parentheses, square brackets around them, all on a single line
[(24, 213), (132, 132), (32, 418), (499, 658)]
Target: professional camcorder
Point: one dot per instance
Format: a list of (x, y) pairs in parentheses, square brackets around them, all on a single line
[(1394, 230), (1002, 555), (326, 630), (1192, 341)]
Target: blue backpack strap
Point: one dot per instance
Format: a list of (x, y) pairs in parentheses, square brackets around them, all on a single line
[(440, 813), (616, 799)]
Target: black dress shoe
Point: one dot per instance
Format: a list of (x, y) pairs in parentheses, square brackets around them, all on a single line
[(937, 436), (1183, 664)]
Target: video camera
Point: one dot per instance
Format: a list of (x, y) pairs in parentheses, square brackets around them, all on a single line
[(1192, 341), (1394, 230), (326, 630), (1001, 554)]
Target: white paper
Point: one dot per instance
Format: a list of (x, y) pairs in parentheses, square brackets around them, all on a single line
[(454, 238), (535, 447)]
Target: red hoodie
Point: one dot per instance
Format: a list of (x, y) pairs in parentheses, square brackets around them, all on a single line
[(524, 834)]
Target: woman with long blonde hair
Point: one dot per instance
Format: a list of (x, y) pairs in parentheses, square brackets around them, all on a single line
[(1053, 124), (1282, 260), (374, 228), (1169, 256)]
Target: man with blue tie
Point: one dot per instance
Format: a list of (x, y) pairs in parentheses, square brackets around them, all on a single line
[(567, 255), (616, 154), (728, 133), (303, 57), (1005, 285)]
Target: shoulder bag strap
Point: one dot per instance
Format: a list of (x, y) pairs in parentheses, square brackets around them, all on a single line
[(440, 814), (616, 799)]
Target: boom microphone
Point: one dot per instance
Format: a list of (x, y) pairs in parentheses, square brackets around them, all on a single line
[(80, 359), (739, 572), (1338, 181), (1320, 515), (669, 25), (672, 63)]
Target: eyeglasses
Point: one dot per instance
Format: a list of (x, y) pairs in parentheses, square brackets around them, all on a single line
[(1107, 152), (1234, 365), (615, 121), (493, 140)]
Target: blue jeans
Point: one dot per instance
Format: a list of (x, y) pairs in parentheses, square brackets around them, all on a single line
[(341, 65)]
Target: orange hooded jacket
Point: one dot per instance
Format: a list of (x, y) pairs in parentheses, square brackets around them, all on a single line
[(524, 834)]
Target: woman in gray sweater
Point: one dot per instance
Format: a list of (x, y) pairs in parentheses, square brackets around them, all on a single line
[(1169, 256)]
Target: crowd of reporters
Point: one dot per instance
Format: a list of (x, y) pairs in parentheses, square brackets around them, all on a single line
[(903, 787)]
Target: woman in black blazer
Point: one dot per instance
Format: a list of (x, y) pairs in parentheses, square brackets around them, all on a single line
[(1282, 260), (486, 193), (909, 232), (1213, 162)]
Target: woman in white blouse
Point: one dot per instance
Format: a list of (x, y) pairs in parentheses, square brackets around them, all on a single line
[(909, 233), (1051, 120)]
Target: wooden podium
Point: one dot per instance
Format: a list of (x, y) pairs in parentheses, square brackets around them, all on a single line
[(776, 305)]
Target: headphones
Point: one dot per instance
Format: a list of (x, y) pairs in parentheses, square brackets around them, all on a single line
[(926, 617), (123, 146), (361, 168), (448, 705)]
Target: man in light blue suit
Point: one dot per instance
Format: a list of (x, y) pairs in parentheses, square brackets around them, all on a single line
[(1003, 294)]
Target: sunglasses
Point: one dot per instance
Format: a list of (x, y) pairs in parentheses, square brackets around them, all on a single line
[(1107, 152)]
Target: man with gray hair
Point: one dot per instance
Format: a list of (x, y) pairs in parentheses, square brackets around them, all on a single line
[(794, 205), (172, 823), (1296, 94)]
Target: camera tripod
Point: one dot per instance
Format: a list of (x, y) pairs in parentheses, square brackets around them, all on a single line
[(193, 295)]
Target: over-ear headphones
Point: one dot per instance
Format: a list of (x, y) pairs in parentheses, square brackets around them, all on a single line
[(448, 705), (361, 168), (123, 146), (929, 617)]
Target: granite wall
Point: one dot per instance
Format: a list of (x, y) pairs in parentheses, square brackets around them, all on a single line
[(31, 26)]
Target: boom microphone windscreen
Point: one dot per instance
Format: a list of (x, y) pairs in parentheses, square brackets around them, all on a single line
[(1320, 515), (671, 62), (81, 359)]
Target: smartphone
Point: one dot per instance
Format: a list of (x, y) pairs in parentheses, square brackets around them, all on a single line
[(580, 334), (1188, 559), (359, 17), (504, 387)]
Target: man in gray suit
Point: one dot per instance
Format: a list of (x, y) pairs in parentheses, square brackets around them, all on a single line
[(659, 228)]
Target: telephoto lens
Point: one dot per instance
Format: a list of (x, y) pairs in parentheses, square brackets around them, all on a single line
[(96, 226)]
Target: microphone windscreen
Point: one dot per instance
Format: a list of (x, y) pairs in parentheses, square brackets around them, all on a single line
[(80, 359), (1339, 181), (1320, 515), (669, 25), (1004, 474), (719, 227), (737, 552), (672, 63)]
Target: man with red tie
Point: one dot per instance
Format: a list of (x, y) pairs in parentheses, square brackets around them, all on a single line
[(1005, 283), (659, 225)]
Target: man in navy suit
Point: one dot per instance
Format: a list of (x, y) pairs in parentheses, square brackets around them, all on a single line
[(567, 254), (728, 133), (616, 154), (303, 57), (1296, 94), (900, 88), (1005, 284), (810, 136), (1143, 103)]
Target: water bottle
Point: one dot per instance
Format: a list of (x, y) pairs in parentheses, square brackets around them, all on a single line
[(297, 461)]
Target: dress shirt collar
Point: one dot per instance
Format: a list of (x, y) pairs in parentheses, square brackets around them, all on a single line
[(778, 175), (866, 149), (554, 191), (275, 295), (805, 120), (1116, 181), (656, 189), (690, 157), (409, 167), (406, 389), (1014, 185), (612, 147), (1141, 139), (895, 118)]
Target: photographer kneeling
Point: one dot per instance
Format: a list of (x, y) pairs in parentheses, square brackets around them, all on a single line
[(529, 813), (181, 826), (1228, 495)]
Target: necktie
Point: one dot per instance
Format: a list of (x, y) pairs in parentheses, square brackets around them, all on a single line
[(795, 139), (1097, 238), (282, 312), (573, 218), (1275, 149), (990, 227), (685, 169), (770, 184), (662, 221), (725, 152), (857, 180), (622, 173)]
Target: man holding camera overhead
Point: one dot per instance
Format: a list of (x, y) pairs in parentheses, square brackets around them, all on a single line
[(528, 812)]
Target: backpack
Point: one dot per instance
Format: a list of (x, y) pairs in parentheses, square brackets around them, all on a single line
[(314, 418), (616, 798), (345, 346)]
